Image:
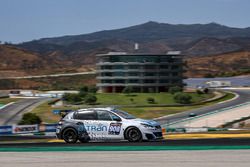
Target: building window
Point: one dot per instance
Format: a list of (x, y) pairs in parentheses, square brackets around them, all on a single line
[(117, 74), (164, 74), (133, 74), (164, 66), (164, 81), (117, 67), (119, 81), (133, 67), (149, 81), (150, 67), (174, 74), (106, 67), (106, 74), (133, 81), (150, 74), (175, 67)]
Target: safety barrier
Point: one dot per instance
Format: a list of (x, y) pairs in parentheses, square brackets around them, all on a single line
[(193, 130), (203, 115), (5, 130), (26, 129)]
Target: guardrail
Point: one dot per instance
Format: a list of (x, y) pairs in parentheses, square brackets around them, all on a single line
[(203, 115), (27, 129)]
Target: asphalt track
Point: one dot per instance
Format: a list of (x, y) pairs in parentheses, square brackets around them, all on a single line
[(200, 158), (170, 142), (244, 96), (13, 113)]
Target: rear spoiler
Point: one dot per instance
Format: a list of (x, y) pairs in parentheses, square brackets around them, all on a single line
[(62, 113)]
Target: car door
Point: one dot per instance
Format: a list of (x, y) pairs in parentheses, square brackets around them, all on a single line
[(113, 128), (87, 121)]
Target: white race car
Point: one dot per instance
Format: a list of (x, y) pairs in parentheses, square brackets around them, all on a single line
[(106, 124)]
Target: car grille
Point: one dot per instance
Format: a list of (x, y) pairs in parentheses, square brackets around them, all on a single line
[(158, 134)]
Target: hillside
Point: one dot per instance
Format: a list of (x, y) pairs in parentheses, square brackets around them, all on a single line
[(152, 31), (199, 43), (20, 62), (192, 40), (229, 64)]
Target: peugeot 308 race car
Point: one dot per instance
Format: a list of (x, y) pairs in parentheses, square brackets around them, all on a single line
[(106, 124)]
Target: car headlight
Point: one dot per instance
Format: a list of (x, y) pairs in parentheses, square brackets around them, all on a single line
[(147, 126)]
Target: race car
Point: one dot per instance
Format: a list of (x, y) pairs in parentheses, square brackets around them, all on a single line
[(106, 124)]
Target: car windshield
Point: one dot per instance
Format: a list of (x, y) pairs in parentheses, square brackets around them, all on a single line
[(123, 114)]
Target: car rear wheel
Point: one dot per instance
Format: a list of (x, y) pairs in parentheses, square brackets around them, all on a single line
[(70, 136), (84, 139), (133, 135)]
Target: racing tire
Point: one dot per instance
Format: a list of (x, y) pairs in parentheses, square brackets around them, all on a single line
[(85, 139), (70, 135), (133, 134)]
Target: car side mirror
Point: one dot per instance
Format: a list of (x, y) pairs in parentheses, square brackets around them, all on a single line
[(117, 119)]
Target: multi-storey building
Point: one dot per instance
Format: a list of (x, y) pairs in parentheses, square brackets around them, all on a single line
[(141, 72)]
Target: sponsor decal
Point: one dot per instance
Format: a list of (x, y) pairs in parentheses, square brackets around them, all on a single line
[(50, 127), (93, 128), (114, 128), (25, 128), (4, 130)]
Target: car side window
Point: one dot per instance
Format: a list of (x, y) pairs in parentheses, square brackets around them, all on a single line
[(85, 115), (103, 115), (115, 117)]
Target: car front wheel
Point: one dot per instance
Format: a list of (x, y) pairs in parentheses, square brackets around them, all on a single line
[(70, 136), (133, 135)]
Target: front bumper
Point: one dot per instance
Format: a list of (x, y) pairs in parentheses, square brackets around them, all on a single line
[(58, 133), (152, 134)]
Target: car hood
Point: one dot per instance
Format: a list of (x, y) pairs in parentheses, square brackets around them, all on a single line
[(149, 122)]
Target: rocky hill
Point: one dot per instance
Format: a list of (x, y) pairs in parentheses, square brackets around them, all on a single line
[(198, 42), (223, 65)]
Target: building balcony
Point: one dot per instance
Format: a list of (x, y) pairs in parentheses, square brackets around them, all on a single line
[(138, 63), (131, 84)]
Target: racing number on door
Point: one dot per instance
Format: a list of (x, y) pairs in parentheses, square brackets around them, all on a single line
[(114, 128)]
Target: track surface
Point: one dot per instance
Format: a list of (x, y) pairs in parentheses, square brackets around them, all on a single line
[(13, 113), (244, 96), (204, 158), (187, 142)]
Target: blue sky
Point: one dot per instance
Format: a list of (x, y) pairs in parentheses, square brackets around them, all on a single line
[(24, 20)]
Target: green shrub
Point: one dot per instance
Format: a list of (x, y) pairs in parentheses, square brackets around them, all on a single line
[(199, 92), (84, 89), (182, 98), (93, 89), (71, 97), (150, 100), (206, 90), (30, 119), (127, 90), (90, 99), (174, 89)]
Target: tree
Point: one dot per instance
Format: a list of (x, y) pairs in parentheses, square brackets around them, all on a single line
[(174, 89), (199, 92), (71, 97), (93, 89), (83, 91), (127, 90), (90, 99), (30, 119), (182, 98), (206, 90), (151, 100)]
